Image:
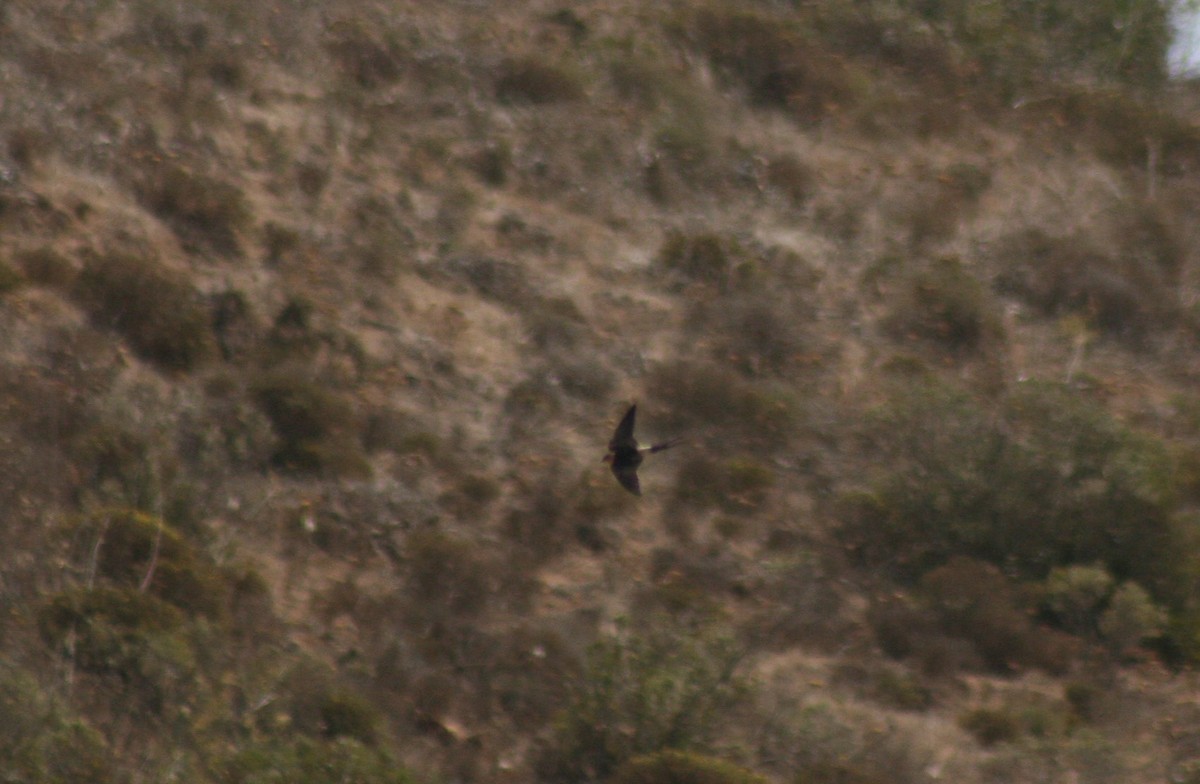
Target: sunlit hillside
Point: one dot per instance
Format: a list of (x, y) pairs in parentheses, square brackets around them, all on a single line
[(316, 320)]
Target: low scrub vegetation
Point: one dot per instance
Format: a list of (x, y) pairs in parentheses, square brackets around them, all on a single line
[(644, 691), (1127, 293), (535, 81), (315, 324), (944, 305), (318, 429), (208, 213), (1055, 483), (154, 308)]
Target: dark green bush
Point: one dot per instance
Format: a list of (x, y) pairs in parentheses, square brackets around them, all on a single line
[(312, 699), (1073, 596), (541, 521), (471, 496), (157, 310), (28, 146), (499, 280), (492, 163), (672, 767), (906, 629)]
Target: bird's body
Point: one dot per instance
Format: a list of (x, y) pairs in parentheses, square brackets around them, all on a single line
[(624, 455)]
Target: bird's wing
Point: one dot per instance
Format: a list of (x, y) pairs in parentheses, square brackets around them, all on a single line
[(627, 476), (623, 435)]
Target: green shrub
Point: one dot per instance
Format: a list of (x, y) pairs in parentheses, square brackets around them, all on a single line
[(27, 145), (666, 688), (541, 521), (905, 628), (1131, 619), (937, 207), (1083, 698), (900, 690), (1052, 481), (164, 319), (1120, 125), (493, 163), (499, 280), (1074, 595), (42, 743), (685, 143), (129, 546), (471, 496), (130, 636), (671, 767)]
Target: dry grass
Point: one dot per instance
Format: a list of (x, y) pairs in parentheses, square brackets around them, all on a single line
[(315, 325)]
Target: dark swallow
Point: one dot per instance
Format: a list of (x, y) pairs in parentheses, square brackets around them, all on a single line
[(624, 455)]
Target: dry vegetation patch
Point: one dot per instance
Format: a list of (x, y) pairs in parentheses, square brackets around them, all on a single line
[(315, 322)]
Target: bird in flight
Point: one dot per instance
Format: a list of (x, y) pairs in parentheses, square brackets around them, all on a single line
[(624, 455)]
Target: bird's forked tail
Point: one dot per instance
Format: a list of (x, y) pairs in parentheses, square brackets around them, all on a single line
[(661, 445)]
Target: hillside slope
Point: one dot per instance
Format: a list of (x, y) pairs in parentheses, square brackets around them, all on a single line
[(317, 318)]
